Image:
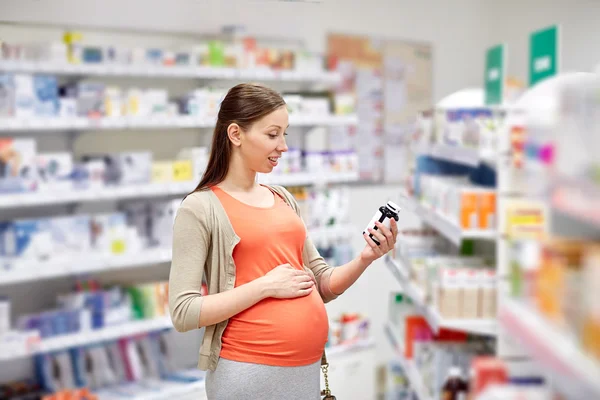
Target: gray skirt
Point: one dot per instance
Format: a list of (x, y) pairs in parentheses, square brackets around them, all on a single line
[(234, 380)]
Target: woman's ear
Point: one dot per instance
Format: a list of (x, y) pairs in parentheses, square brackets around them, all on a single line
[(234, 133)]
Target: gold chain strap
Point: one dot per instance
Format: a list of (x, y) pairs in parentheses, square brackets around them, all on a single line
[(325, 391)]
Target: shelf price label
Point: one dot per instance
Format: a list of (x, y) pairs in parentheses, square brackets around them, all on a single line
[(526, 220), (495, 69), (544, 53)]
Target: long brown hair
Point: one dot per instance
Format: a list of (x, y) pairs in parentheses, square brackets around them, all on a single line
[(244, 104)]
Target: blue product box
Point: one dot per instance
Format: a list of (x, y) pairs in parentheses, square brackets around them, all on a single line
[(25, 240), (47, 102), (78, 359)]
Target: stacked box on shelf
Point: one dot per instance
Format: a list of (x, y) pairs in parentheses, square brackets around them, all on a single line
[(457, 286)]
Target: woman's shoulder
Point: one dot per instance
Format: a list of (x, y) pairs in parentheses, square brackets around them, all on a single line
[(282, 191), (287, 196), (198, 202)]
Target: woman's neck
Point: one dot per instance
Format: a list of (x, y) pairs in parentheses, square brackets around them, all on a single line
[(239, 177)]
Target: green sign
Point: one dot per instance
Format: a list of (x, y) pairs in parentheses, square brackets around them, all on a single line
[(494, 75), (543, 54)]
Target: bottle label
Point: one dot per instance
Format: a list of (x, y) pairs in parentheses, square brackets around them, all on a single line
[(377, 217)]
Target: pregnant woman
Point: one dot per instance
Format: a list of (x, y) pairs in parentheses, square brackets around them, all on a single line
[(265, 318)]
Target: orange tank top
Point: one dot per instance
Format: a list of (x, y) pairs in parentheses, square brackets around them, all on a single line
[(279, 332)]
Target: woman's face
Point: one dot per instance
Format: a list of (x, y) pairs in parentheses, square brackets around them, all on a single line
[(263, 144)]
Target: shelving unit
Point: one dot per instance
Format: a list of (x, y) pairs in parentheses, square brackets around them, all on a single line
[(401, 266), (578, 199), (152, 71), (97, 262), (456, 154), (40, 125), (557, 354), (416, 381), (150, 190), (85, 264), (90, 337), (400, 271), (443, 225)]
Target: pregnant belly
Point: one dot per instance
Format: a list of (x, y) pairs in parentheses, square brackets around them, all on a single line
[(283, 332)]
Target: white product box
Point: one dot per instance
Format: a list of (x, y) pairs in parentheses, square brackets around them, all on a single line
[(315, 106), (4, 315), (25, 98), (135, 167), (67, 107), (163, 217), (199, 158), (54, 171), (138, 217), (70, 235), (109, 233)]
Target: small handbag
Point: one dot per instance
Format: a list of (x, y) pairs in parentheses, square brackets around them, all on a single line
[(326, 393)]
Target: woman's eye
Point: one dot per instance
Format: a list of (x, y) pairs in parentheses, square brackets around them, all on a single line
[(273, 136)]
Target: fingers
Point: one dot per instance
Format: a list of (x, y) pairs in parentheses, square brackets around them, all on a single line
[(299, 273), (373, 245), (394, 226), (306, 285), (387, 232), (378, 235), (305, 292), (303, 278)]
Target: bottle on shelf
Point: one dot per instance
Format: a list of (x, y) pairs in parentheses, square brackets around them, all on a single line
[(455, 388)]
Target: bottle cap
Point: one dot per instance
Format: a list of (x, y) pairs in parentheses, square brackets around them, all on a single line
[(393, 206), (454, 372)]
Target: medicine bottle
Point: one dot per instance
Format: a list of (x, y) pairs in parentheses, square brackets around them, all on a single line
[(383, 215)]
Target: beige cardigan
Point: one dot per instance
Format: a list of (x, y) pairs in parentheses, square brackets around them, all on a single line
[(203, 243)]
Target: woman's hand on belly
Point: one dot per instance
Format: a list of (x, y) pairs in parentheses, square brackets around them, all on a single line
[(287, 282)]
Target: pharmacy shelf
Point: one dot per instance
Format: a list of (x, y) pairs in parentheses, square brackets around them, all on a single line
[(149, 190), (572, 371), (88, 263), (41, 124), (400, 269), (157, 71), (108, 193), (106, 334), (456, 154), (578, 199), (64, 342), (444, 225), (96, 262), (414, 377)]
